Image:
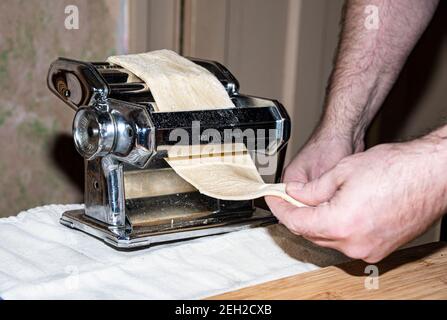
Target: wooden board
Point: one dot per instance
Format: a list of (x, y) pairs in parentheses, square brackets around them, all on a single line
[(414, 273)]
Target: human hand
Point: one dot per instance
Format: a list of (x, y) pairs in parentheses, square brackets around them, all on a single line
[(321, 153), (373, 202)]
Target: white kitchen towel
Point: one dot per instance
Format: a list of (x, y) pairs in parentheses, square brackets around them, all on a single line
[(41, 259)]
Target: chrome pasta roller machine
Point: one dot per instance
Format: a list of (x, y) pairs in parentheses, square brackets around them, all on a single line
[(132, 197)]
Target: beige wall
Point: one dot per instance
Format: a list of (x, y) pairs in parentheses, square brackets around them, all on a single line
[(154, 24)]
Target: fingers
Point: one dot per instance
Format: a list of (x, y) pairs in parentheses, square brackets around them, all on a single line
[(295, 175), (301, 221), (317, 191), (316, 225), (310, 223)]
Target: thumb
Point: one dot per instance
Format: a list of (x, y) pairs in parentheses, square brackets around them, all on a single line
[(305, 221), (316, 191)]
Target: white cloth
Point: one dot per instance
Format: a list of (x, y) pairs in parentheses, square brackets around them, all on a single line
[(41, 259)]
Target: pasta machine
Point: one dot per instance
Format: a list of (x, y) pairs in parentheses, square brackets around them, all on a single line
[(132, 197)]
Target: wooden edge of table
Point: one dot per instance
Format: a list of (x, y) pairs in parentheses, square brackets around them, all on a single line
[(413, 273)]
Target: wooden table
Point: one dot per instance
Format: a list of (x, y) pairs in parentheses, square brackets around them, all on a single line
[(414, 273)]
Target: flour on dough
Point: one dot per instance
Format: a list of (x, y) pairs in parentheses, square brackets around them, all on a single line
[(177, 84)]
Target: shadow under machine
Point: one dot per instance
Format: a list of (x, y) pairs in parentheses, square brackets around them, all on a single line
[(132, 196)]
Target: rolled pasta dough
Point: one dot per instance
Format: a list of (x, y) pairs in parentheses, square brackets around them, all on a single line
[(176, 83), (228, 177)]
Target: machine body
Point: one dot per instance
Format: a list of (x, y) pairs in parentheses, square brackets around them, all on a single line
[(132, 197)]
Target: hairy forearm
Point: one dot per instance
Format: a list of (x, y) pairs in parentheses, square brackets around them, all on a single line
[(369, 60)]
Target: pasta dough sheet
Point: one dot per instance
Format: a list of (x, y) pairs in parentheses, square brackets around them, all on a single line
[(178, 84), (227, 176)]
